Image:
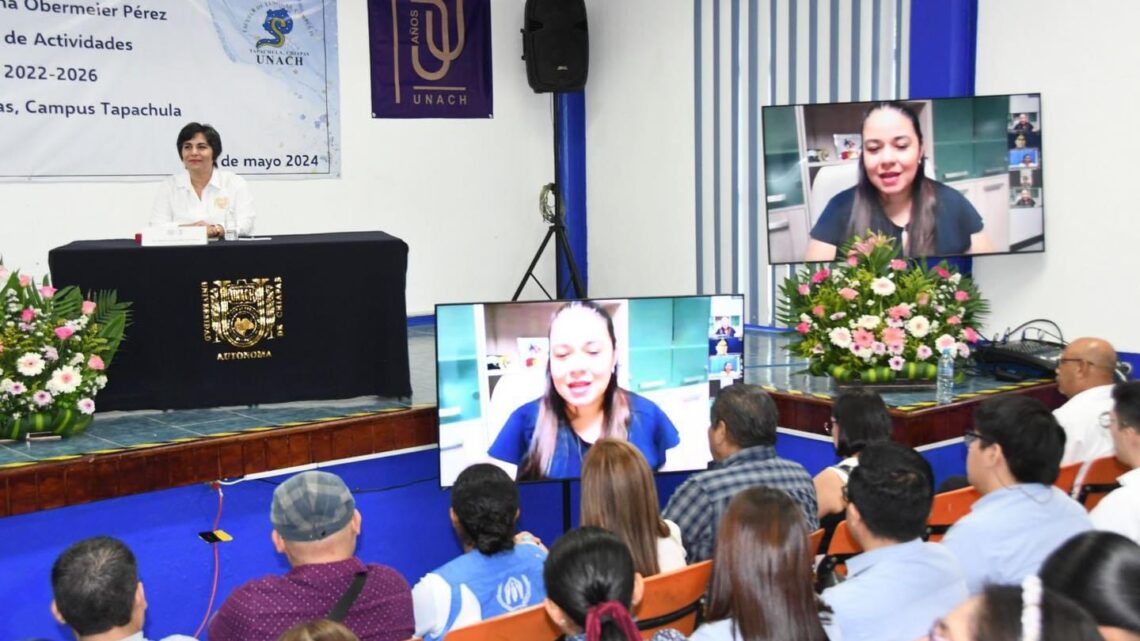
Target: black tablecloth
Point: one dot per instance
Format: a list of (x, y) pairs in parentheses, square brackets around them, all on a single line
[(325, 312)]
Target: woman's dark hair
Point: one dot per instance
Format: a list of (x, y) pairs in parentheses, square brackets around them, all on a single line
[(1101, 572), (486, 504), (552, 409), (868, 203), (586, 570), (762, 571), (999, 617), (213, 138), (862, 418)]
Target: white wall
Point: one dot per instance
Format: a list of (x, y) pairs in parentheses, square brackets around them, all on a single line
[(1082, 60), (463, 193), (639, 145)]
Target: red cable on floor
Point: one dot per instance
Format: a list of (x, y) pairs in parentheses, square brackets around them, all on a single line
[(217, 565)]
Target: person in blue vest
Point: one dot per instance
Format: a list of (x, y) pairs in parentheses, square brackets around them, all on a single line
[(549, 436), (496, 574)]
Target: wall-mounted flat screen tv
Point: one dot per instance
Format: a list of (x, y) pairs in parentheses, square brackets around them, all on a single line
[(945, 177), (530, 386)]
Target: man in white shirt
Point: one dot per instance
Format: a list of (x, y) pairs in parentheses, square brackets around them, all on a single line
[(1085, 374), (1120, 510)]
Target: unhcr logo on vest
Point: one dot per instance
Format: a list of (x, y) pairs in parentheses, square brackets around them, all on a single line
[(513, 593)]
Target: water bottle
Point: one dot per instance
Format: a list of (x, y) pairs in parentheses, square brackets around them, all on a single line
[(231, 224), (944, 390)]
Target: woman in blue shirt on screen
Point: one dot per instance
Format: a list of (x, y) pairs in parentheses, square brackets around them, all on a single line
[(894, 197), (549, 436)]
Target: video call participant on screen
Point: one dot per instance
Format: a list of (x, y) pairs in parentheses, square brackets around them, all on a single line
[(1025, 199), (894, 197), (549, 436), (724, 327), (1023, 124), (201, 195)]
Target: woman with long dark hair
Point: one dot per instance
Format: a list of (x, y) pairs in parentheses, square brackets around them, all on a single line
[(591, 587), (894, 197), (858, 417), (549, 437), (1100, 571), (761, 586), (1012, 613), (619, 495)]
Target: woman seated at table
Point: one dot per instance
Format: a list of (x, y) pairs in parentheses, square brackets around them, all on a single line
[(549, 436), (202, 194), (894, 197)]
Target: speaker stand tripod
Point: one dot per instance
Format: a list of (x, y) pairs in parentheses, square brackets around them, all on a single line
[(557, 231)]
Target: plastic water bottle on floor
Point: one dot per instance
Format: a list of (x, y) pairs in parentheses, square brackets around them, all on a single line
[(944, 390)]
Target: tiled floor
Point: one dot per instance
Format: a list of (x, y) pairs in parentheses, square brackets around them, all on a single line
[(766, 363)]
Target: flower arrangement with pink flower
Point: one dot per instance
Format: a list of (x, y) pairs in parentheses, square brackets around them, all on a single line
[(873, 316), (55, 348)]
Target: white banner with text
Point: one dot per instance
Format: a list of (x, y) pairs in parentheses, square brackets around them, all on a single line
[(100, 89)]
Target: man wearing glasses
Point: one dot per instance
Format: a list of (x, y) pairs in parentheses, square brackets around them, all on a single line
[(1120, 510), (1013, 456), (899, 583), (1085, 374)]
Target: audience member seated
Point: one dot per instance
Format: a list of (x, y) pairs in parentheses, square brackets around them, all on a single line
[(494, 576), (591, 586), (319, 630), (620, 495), (1011, 613), (97, 593), (315, 525), (1120, 510), (1085, 375), (1012, 460), (899, 584), (742, 439), (858, 417), (1100, 571), (761, 585)]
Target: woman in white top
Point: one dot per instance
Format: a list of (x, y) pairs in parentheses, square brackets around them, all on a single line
[(202, 194), (858, 417), (619, 495)]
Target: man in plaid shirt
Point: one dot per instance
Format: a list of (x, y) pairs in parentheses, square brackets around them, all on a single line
[(742, 438)]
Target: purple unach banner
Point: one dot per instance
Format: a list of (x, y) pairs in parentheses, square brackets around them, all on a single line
[(430, 58)]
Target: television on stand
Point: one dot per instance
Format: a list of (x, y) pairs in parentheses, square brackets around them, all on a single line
[(512, 378)]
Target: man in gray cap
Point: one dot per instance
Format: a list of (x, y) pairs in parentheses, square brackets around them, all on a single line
[(315, 525)]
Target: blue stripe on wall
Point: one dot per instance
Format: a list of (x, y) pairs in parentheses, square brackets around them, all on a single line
[(876, 33), (758, 226), (716, 146), (698, 141), (834, 63), (793, 8), (943, 39), (856, 35), (735, 213), (813, 48)]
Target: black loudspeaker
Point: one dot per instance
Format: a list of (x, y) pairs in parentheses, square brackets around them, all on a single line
[(556, 45)]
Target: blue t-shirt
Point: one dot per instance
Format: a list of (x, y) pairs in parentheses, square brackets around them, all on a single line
[(955, 219), (650, 430)]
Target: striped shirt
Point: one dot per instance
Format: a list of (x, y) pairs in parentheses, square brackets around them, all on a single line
[(701, 500)]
